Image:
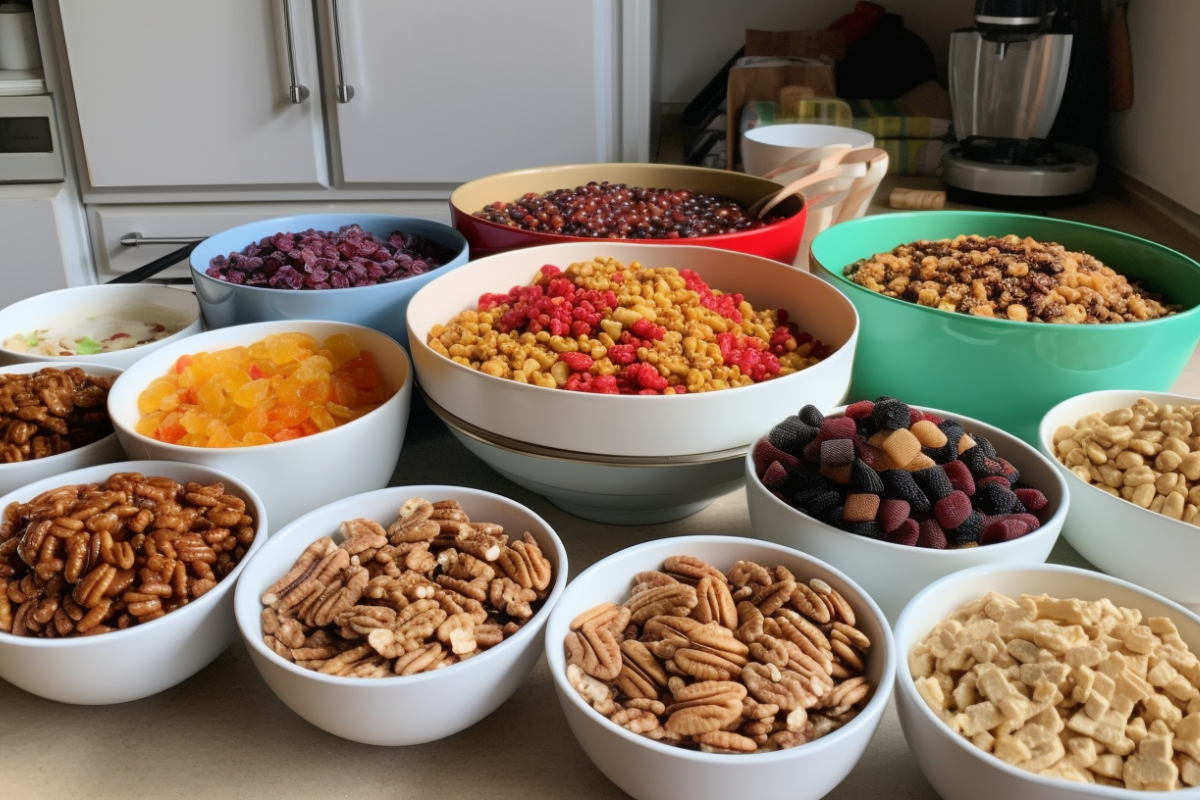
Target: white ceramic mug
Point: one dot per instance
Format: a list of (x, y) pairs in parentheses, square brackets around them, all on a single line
[(770, 146)]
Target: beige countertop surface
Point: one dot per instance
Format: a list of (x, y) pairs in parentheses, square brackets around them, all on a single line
[(223, 733)]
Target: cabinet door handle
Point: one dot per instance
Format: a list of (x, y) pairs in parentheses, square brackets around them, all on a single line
[(344, 90), (297, 93)]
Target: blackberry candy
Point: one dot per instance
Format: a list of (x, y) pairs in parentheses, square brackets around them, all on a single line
[(811, 415), (891, 414), (865, 479), (900, 485), (791, 435), (934, 482)]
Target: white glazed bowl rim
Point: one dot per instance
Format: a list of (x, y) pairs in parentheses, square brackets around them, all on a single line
[(1047, 526), (904, 679), (478, 661), (881, 694), (100, 289), (531, 450)]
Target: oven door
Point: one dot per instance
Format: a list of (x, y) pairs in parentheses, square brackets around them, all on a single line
[(30, 150)]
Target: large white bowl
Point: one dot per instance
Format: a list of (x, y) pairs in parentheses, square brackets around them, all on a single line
[(655, 426), (403, 709), (296, 476), (381, 307), (631, 490), (145, 659), (17, 474), (67, 306), (893, 573), (956, 768), (1115, 535), (650, 770)]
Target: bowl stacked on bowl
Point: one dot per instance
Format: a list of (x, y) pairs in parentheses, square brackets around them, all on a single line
[(382, 690), (532, 431), (105, 324), (1006, 372), (894, 528), (471, 203), (806, 756), (1100, 709), (1130, 439), (322, 271), (298, 470), (136, 618)]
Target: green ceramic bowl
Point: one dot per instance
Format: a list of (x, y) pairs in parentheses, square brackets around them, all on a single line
[(1003, 372)]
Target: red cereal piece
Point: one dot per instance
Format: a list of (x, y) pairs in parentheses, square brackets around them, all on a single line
[(960, 476), (892, 514), (907, 534), (775, 477), (837, 428), (952, 510), (932, 535), (577, 362), (1033, 499), (764, 453), (860, 410)]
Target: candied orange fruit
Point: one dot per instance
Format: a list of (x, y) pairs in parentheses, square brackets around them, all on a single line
[(287, 386)]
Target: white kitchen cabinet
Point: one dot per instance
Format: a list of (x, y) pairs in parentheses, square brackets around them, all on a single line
[(194, 94), (195, 98)]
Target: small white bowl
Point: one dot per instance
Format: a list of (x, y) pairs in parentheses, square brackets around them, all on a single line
[(407, 709), (689, 424), (771, 146), (1117, 536), (633, 490), (63, 307), (650, 770), (20, 473), (296, 476), (893, 573), (145, 659), (957, 769)]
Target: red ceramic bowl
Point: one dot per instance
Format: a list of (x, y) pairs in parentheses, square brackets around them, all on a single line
[(779, 241)]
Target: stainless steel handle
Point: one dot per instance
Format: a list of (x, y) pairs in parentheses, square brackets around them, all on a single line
[(297, 92), (136, 239), (344, 90)]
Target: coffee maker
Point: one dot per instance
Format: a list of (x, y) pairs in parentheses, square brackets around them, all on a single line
[(1007, 77)]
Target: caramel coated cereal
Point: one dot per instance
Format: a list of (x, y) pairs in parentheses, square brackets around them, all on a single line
[(1008, 277), (752, 660), (1080, 690)]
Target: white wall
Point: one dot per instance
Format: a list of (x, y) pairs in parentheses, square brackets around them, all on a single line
[(697, 37), (1156, 141)]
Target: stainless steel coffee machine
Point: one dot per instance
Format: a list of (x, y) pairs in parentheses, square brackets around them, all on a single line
[(1007, 76)]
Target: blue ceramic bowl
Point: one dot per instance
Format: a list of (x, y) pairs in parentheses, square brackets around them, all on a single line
[(382, 307)]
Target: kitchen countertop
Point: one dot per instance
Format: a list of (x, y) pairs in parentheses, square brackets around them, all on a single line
[(223, 733)]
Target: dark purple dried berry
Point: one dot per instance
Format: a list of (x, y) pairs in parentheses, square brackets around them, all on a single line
[(864, 479), (836, 452), (823, 503), (812, 415), (933, 482), (791, 435), (891, 414), (993, 498), (901, 486)]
